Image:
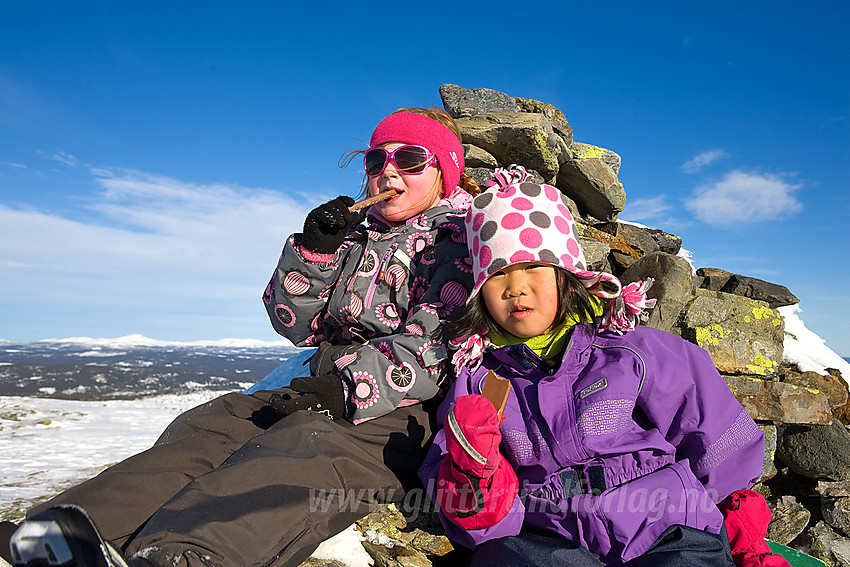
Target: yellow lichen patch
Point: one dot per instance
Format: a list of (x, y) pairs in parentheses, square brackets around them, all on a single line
[(709, 335), (761, 365), (540, 144), (763, 312), (806, 388), (747, 319), (586, 151)]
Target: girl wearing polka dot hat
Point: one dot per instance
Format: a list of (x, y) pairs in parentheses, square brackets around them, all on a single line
[(616, 441)]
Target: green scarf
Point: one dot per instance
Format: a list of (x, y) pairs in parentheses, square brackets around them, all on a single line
[(549, 345)]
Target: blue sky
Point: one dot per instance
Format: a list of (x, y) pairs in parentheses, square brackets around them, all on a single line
[(154, 156)]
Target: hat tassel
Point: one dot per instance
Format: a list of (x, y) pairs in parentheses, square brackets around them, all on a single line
[(629, 308)]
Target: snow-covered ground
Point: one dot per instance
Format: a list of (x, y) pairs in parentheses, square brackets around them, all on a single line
[(49, 444)]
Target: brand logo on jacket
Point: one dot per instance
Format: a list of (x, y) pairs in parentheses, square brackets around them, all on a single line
[(593, 388)]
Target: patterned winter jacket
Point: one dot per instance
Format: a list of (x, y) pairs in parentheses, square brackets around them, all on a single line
[(629, 435), (388, 288)]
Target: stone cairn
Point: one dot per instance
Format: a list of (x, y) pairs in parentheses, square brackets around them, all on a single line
[(804, 415)]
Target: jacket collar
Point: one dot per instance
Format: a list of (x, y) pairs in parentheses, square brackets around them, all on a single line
[(523, 360)]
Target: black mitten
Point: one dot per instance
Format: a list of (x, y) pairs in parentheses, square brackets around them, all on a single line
[(323, 394), (326, 226)]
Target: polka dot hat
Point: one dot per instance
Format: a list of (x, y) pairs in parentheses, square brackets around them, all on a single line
[(517, 220)]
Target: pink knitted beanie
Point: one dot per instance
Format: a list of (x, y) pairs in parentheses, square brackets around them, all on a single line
[(412, 128)]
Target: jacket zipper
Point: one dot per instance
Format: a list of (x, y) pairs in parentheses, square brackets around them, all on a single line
[(642, 363), (379, 275)]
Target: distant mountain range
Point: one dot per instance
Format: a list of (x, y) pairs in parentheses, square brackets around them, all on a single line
[(133, 366)]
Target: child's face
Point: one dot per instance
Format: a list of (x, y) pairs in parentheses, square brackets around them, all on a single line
[(522, 298), (417, 193)]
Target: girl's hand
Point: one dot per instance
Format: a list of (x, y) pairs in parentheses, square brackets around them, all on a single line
[(326, 226), (323, 394), (476, 486)]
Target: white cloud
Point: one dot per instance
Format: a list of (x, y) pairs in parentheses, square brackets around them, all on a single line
[(742, 197), (61, 157), (703, 159), (655, 212), (642, 210), (157, 247)]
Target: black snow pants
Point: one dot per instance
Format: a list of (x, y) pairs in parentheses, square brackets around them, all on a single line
[(221, 487)]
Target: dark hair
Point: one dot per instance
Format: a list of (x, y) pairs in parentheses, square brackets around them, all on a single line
[(573, 299)]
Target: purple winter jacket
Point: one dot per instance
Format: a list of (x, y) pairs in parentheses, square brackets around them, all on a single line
[(629, 435)]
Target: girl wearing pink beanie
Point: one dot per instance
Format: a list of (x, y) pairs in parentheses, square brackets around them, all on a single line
[(263, 477)]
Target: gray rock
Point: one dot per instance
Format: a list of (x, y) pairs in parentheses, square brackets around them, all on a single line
[(594, 186), (768, 468), (635, 235), (580, 150), (836, 513), (787, 483), (842, 413), (461, 102), (830, 489), (481, 175), (623, 254), (774, 295), (828, 546), (555, 116), (743, 336), (790, 519), (816, 451), (834, 387), (515, 137), (596, 255), (396, 554), (418, 527), (673, 287), (712, 278), (669, 243), (765, 400), (565, 155), (473, 156)]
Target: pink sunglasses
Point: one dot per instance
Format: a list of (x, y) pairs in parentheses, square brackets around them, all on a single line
[(409, 159)]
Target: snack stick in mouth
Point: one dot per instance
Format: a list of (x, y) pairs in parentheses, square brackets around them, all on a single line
[(383, 196)]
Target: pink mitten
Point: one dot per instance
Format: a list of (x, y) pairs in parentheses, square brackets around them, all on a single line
[(476, 486)]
